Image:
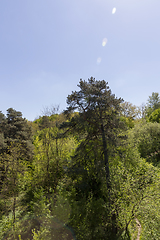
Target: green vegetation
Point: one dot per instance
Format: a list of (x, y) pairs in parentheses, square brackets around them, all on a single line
[(89, 173)]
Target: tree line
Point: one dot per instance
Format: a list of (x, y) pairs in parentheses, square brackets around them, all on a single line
[(90, 172)]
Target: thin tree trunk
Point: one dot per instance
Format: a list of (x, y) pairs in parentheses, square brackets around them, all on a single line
[(14, 209), (57, 145), (139, 229), (14, 202), (106, 158), (106, 162)]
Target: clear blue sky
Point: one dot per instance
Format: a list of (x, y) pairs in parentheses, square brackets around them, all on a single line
[(46, 46)]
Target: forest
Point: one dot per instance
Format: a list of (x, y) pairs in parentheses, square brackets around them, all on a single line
[(91, 172)]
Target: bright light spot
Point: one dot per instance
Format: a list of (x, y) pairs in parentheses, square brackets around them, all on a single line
[(104, 42), (99, 60), (113, 10)]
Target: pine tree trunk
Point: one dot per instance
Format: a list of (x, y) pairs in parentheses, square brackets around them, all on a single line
[(14, 202), (105, 157), (14, 209), (106, 162)]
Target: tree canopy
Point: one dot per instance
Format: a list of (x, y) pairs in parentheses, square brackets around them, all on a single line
[(90, 172), (153, 103)]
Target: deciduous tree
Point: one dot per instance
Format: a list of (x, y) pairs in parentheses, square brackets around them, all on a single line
[(153, 103)]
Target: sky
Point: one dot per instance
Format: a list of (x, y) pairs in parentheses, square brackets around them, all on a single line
[(46, 47)]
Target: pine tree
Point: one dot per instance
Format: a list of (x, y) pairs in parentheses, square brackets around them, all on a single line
[(97, 124), (14, 129), (17, 130), (98, 114)]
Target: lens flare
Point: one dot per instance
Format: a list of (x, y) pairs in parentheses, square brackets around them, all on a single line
[(54, 229), (104, 42), (99, 60), (113, 10)]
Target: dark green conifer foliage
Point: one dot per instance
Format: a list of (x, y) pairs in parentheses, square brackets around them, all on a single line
[(98, 114), (14, 129), (3, 146), (2, 125), (97, 124), (17, 130)]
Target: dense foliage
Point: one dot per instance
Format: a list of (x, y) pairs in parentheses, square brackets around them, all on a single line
[(89, 173)]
